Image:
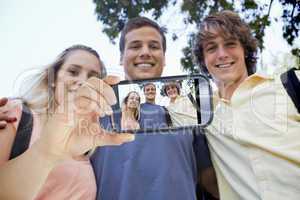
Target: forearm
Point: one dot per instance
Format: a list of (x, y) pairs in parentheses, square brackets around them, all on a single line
[(22, 177)]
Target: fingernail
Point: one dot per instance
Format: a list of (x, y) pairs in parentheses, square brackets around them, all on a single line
[(12, 119), (3, 123), (131, 137)]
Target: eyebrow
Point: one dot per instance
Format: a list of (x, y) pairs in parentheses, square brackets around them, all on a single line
[(80, 67), (75, 65), (140, 41), (211, 42), (205, 44)]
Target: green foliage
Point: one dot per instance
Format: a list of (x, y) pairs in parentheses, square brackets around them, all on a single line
[(291, 19), (114, 13)]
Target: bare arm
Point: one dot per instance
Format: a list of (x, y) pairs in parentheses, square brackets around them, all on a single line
[(22, 177), (61, 139)]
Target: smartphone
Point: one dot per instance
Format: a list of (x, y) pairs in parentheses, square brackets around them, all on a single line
[(162, 104)]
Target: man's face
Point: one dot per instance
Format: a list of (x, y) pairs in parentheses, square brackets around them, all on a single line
[(172, 91), (225, 59), (143, 55), (150, 92)]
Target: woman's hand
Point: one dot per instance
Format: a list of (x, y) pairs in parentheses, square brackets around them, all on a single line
[(74, 129)]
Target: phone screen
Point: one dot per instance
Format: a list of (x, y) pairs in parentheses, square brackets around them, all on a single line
[(161, 104)]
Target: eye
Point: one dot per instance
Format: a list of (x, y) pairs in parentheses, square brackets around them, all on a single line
[(210, 48), (73, 72), (231, 43), (154, 46), (94, 74), (134, 46)]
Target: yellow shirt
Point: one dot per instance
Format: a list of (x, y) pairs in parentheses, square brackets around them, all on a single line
[(254, 142), (183, 112)]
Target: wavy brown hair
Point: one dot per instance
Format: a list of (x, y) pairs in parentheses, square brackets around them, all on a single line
[(228, 24)]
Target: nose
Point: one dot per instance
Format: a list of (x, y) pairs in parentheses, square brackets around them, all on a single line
[(222, 53), (81, 79), (145, 52)]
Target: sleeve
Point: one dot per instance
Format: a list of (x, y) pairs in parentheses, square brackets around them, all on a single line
[(201, 150)]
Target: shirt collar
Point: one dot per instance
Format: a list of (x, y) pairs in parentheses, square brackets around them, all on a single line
[(253, 80)]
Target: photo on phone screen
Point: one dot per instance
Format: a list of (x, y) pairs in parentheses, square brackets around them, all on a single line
[(164, 103)]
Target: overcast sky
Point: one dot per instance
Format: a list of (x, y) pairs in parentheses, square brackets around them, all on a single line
[(34, 32)]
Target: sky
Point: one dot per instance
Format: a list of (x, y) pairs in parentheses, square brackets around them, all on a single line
[(34, 32)]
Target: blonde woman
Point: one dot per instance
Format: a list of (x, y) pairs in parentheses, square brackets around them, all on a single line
[(131, 111), (62, 102)]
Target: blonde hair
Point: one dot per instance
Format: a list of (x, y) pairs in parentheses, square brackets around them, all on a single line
[(136, 113), (39, 88)]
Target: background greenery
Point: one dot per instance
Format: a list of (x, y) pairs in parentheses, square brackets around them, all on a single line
[(114, 14)]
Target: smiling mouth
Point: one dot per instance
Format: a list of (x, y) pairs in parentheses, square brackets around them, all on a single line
[(144, 65), (225, 65)]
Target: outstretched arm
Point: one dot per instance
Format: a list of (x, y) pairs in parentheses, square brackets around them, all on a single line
[(63, 137)]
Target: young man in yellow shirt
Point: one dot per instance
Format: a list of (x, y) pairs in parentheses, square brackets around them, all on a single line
[(254, 139)]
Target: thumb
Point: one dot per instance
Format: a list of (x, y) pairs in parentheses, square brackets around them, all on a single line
[(112, 80), (107, 139)]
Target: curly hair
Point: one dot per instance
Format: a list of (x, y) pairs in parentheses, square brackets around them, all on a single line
[(172, 83), (228, 24)]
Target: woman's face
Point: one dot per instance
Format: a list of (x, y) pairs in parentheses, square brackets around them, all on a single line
[(133, 100), (79, 65), (172, 91)]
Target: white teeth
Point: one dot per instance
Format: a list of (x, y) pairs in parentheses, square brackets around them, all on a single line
[(144, 65), (224, 65)]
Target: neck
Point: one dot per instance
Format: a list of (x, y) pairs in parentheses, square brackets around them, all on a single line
[(172, 100), (129, 113), (226, 90), (150, 101)]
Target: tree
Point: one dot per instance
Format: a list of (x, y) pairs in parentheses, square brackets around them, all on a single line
[(114, 13)]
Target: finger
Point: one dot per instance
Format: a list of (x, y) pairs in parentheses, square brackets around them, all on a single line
[(8, 105), (102, 88), (105, 107), (3, 124), (108, 139), (112, 80), (87, 106), (11, 119), (88, 100), (3, 101), (4, 117)]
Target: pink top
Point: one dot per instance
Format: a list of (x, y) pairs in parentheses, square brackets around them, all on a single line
[(70, 180)]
